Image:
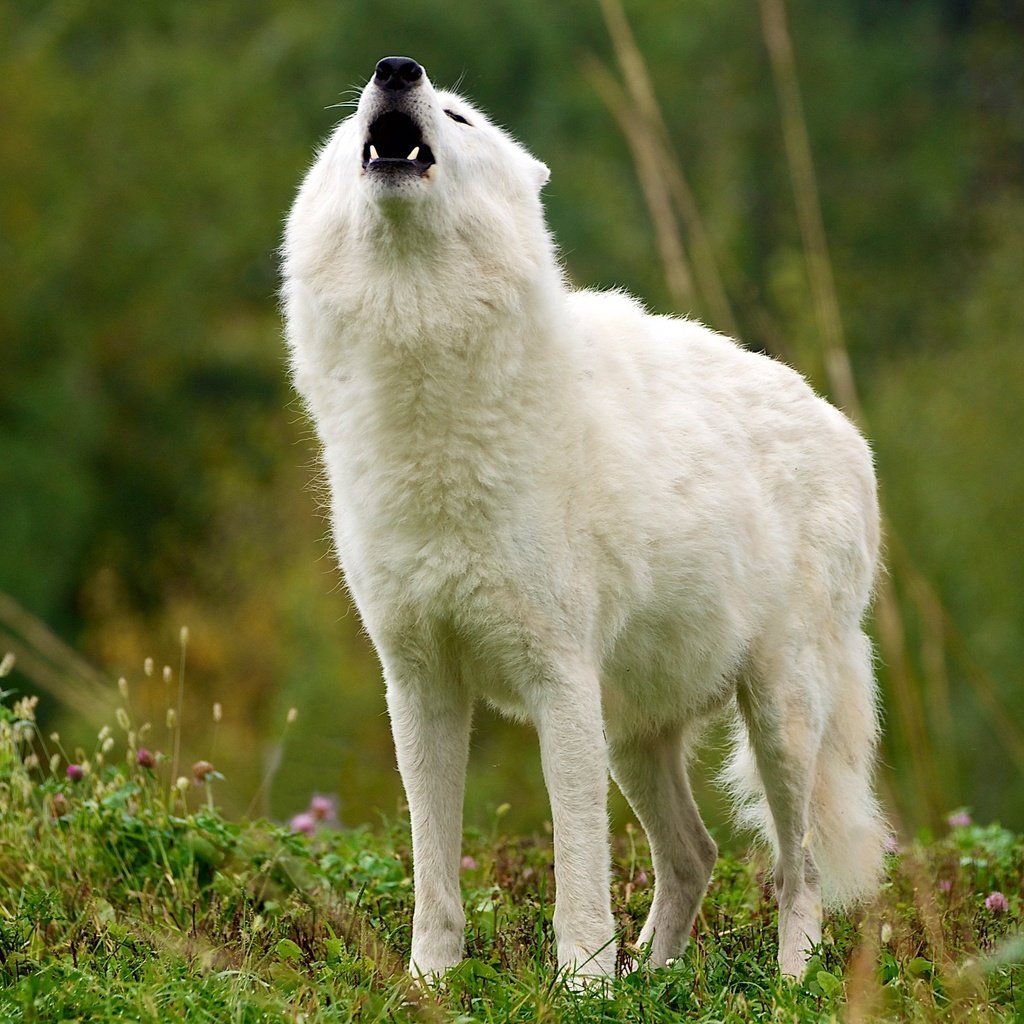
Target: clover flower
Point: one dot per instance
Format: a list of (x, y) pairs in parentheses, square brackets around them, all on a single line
[(323, 808), (203, 771), (304, 823), (997, 903)]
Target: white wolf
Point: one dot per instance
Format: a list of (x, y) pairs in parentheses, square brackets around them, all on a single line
[(609, 523)]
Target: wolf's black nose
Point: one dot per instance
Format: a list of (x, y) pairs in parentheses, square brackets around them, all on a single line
[(397, 73)]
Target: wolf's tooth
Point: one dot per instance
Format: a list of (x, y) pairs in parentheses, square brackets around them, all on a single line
[(373, 153), (415, 153)]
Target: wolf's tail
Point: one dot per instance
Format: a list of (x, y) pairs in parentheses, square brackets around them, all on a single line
[(847, 831)]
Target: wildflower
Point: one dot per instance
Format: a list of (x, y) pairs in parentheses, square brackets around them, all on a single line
[(945, 884), (103, 733), (122, 719), (182, 784), (108, 745), (997, 902), (54, 763), (144, 758), (58, 805), (304, 823), (76, 772), (203, 771), (641, 878), (468, 863), (293, 713), (217, 712), (122, 687), (31, 762), (183, 635), (7, 664), (959, 819), (323, 808), (147, 666), (168, 674)]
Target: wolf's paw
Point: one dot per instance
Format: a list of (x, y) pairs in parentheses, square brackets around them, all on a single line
[(581, 969), (428, 971)]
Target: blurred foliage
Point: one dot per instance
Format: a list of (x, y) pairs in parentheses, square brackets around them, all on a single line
[(156, 469)]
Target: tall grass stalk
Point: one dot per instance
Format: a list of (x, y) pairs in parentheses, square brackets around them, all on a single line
[(639, 116), (180, 704), (53, 666)]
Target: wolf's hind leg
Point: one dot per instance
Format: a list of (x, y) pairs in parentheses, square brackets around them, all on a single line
[(651, 772), (781, 706)]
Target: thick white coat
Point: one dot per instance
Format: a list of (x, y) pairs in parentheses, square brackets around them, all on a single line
[(609, 523)]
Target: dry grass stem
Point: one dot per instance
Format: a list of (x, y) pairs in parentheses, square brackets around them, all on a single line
[(641, 121)]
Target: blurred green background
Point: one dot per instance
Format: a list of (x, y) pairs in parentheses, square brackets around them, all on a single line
[(156, 470)]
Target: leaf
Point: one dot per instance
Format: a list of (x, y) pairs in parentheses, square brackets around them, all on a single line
[(288, 950), (920, 967), (474, 968), (828, 983), (890, 967)]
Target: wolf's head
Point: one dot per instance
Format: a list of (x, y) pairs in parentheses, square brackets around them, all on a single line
[(411, 142), (419, 181)]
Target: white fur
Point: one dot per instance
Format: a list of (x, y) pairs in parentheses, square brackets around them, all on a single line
[(609, 523)]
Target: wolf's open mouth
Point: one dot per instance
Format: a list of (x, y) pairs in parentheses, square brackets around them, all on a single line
[(395, 140)]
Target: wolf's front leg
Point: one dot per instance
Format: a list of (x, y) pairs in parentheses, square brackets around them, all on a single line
[(430, 722), (575, 761)]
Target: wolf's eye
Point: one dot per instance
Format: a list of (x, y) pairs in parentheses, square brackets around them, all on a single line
[(457, 117)]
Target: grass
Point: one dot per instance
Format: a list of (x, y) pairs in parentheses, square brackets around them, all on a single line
[(125, 895)]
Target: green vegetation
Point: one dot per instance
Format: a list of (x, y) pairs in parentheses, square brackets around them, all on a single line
[(125, 895)]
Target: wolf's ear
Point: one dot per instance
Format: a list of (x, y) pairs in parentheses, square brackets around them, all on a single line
[(543, 173)]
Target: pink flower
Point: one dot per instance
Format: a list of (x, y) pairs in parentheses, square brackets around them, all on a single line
[(76, 772), (997, 902), (945, 884), (468, 863), (323, 808), (961, 819), (144, 758), (304, 823), (641, 879)]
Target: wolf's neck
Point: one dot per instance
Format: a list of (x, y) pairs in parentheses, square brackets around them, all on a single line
[(453, 293), (448, 404), (451, 287)]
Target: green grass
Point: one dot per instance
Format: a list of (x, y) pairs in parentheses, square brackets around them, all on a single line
[(124, 897)]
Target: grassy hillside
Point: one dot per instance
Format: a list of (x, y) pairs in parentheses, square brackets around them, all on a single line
[(125, 895)]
